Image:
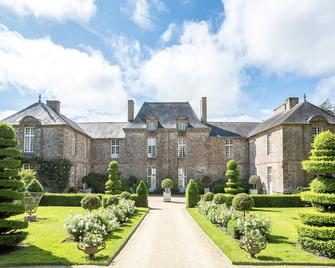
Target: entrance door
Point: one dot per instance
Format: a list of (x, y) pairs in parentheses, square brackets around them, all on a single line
[(152, 178), (182, 183)]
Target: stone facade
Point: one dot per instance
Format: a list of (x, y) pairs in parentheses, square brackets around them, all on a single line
[(272, 149)]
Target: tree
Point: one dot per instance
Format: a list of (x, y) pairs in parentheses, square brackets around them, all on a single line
[(328, 106), (234, 186), (113, 184), (192, 194), (11, 203), (316, 234)]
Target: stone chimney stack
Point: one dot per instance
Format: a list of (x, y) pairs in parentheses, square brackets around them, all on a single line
[(290, 103), (203, 109), (54, 105), (130, 110)]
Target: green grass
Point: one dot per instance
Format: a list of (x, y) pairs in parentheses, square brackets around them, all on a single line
[(44, 243), (282, 248)]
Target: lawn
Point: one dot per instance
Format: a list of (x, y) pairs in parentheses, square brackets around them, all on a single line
[(44, 243), (282, 248)]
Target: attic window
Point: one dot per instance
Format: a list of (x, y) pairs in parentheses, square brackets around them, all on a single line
[(182, 123), (152, 123)]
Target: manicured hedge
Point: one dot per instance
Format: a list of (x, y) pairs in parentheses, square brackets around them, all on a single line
[(66, 200), (328, 199), (316, 232), (318, 219), (282, 200), (318, 247)]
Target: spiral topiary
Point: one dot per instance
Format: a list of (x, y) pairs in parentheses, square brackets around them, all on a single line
[(311, 233), (11, 203), (234, 186), (113, 184)]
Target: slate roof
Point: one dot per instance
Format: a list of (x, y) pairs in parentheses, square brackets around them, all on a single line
[(231, 129), (105, 130), (167, 113), (45, 115), (299, 114)]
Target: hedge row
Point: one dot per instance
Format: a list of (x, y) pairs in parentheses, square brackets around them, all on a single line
[(328, 199), (316, 232), (319, 247), (318, 219)]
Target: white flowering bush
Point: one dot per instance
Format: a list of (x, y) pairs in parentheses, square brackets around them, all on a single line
[(251, 223), (122, 211), (205, 206), (253, 242), (91, 240)]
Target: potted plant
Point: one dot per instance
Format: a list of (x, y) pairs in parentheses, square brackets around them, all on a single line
[(207, 182), (32, 197), (167, 184), (253, 242), (91, 244), (254, 181)]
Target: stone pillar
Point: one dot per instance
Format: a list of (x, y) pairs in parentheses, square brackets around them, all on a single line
[(130, 110), (203, 109)]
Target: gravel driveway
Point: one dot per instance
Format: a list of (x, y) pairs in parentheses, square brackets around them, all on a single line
[(168, 237)]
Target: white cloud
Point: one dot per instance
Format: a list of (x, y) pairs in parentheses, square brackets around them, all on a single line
[(167, 35), (5, 113), (325, 89), (141, 11), (86, 83), (59, 10), (284, 36)]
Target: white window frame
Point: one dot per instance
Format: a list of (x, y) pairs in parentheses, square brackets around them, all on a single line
[(152, 148), (269, 143), (182, 177), (152, 178), (181, 126), (229, 148), (152, 126), (182, 147), (269, 178), (73, 145), (28, 166), (29, 140), (115, 149), (316, 130)]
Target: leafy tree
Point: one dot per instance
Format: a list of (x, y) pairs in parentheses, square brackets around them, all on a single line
[(113, 184), (234, 186), (11, 203), (328, 106)]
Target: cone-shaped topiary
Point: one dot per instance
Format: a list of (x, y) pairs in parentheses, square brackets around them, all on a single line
[(142, 195), (10, 199), (311, 233), (234, 186), (113, 184), (192, 194)]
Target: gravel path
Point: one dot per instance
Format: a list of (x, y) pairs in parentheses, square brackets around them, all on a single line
[(168, 237)]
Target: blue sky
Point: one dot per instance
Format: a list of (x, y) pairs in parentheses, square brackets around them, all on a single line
[(94, 55)]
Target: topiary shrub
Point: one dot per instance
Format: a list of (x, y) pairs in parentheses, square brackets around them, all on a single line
[(167, 184), (90, 202), (192, 194), (219, 199), (125, 195), (142, 195), (35, 187), (208, 197), (316, 233), (218, 186), (95, 181), (200, 185), (243, 202), (234, 186), (11, 203), (113, 184), (110, 201)]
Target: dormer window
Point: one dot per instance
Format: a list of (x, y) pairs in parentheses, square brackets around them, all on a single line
[(152, 123), (152, 126), (182, 123)]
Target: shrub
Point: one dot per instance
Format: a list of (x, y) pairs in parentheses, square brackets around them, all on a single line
[(221, 215), (219, 198), (250, 223), (200, 185), (278, 200), (35, 187), (318, 219), (208, 196), (324, 232), (113, 184), (322, 202), (67, 200), (218, 186), (27, 175), (206, 180), (254, 181), (11, 204), (167, 183), (95, 181), (132, 180), (319, 247), (110, 201), (234, 229), (192, 194), (243, 202), (234, 186), (253, 239), (125, 195), (323, 185), (142, 195), (122, 211), (90, 202)]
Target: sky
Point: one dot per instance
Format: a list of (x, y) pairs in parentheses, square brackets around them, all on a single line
[(246, 57)]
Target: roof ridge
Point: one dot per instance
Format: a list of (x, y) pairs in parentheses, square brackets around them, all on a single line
[(166, 102), (103, 122)]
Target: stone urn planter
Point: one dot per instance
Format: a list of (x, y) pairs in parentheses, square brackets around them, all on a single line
[(253, 242), (31, 202), (252, 250), (167, 184), (91, 250), (255, 181), (207, 183), (207, 190)]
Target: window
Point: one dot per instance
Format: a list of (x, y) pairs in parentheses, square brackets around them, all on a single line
[(73, 145), (29, 139), (152, 126), (182, 173), (182, 148), (28, 166), (316, 130), (229, 148), (115, 148), (151, 178), (72, 176), (151, 147), (181, 126), (269, 143), (269, 179)]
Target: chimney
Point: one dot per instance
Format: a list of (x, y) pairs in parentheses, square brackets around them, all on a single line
[(290, 103), (203, 109), (130, 110), (54, 105)]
